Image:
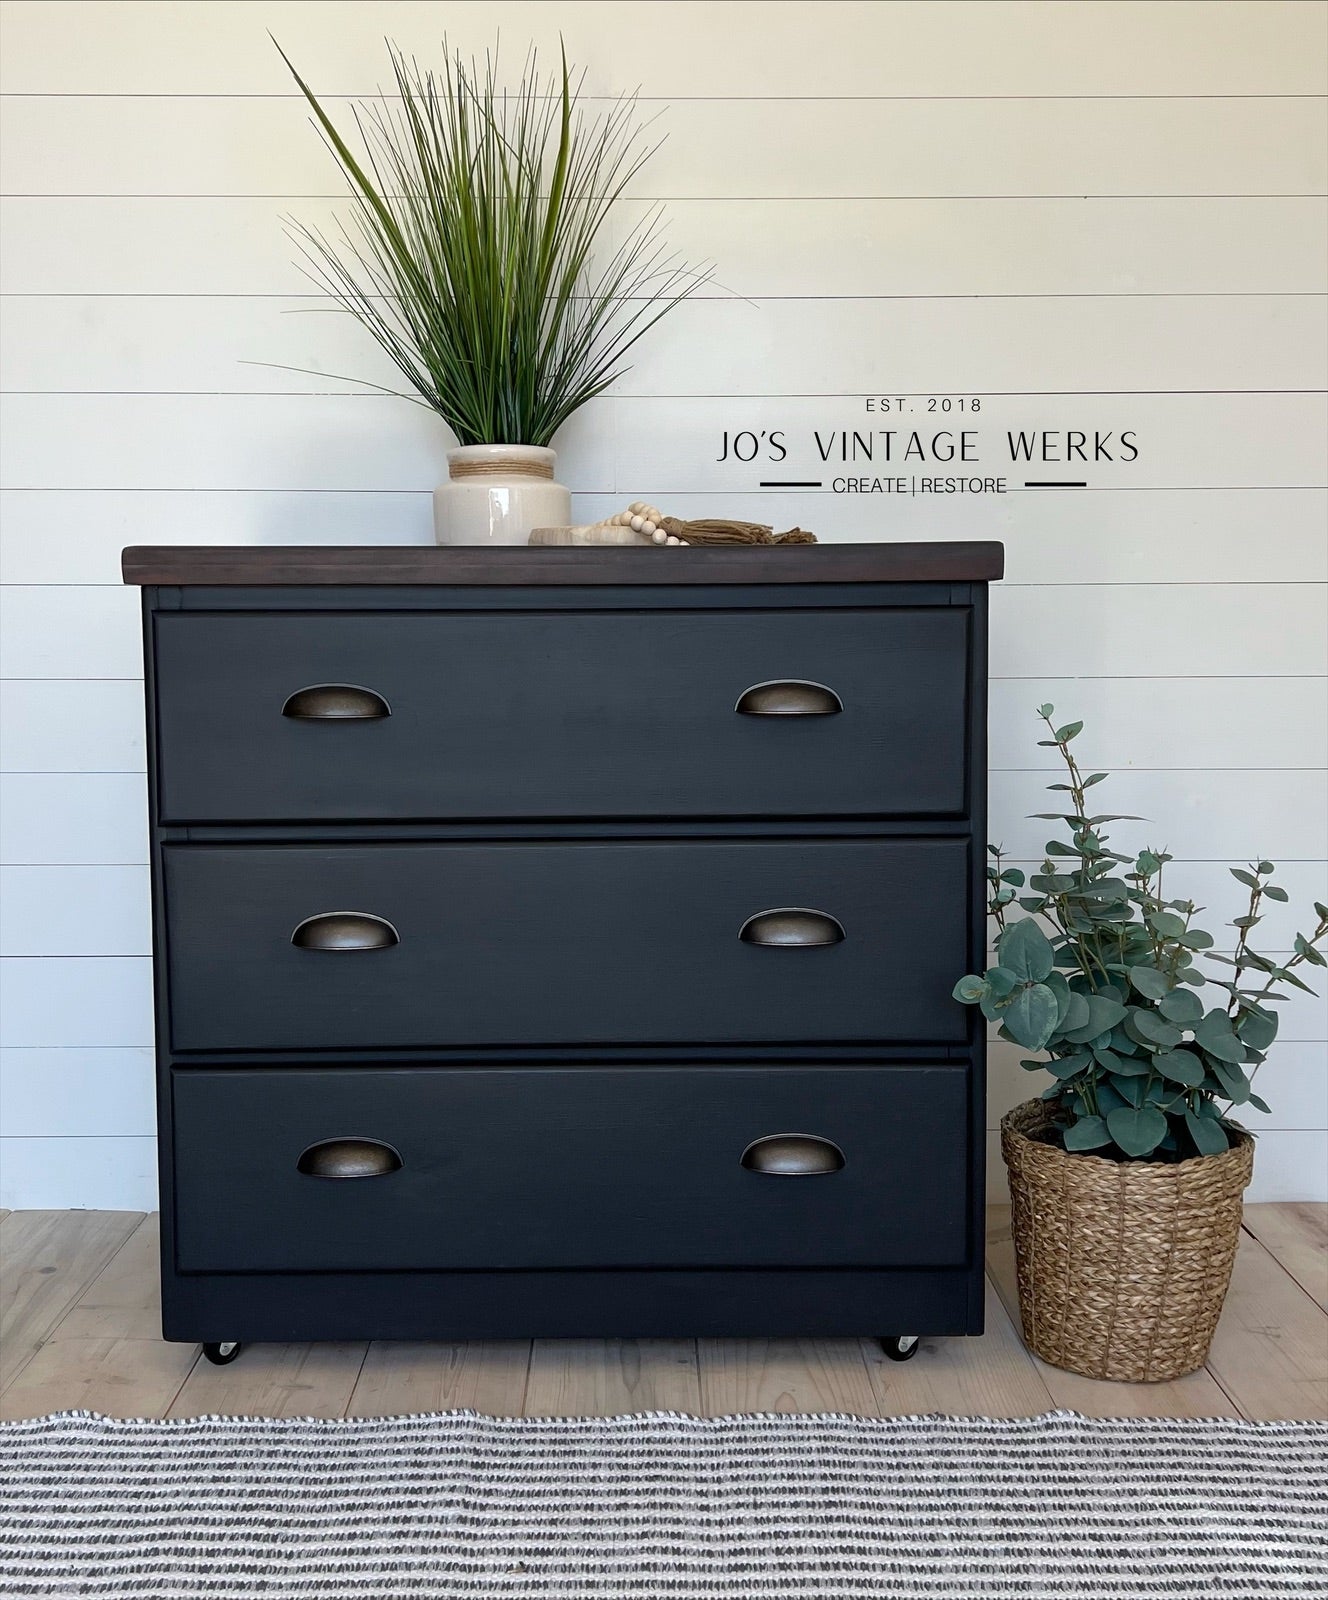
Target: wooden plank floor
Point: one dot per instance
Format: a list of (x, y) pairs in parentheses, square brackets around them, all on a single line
[(78, 1294)]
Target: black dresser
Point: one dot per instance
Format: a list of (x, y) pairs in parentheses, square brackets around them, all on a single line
[(560, 942)]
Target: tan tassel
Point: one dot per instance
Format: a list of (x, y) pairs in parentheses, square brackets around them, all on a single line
[(720, 530), (714, 530)]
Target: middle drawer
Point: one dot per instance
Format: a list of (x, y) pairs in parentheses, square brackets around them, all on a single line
[(425, 946)]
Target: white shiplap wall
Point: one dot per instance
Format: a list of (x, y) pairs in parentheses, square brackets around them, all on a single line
[(1091, 214)]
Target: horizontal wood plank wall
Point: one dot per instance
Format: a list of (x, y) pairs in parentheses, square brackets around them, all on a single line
[(1103, 216)]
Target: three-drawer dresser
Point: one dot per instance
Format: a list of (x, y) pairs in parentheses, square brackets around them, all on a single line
[(558, 942)]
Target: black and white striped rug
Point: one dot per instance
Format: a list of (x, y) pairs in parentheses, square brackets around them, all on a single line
[(465, 1507)]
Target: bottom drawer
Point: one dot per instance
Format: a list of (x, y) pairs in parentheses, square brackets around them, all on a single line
[(539, 1167)]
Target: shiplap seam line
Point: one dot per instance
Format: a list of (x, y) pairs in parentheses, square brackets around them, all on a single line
[(992, 772), (329, 303), (1071, 583), (1150, 488), (670, 199), (641, 99), (659, 394), (1098, 677)]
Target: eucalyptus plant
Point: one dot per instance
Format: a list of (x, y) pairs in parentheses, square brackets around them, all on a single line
[(476, 254), (1102, 972)]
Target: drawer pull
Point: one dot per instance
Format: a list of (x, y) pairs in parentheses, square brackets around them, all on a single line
[(793, 1155), (789, 697), (335, 702), (349, 1158), (791, 927), (345, 930)]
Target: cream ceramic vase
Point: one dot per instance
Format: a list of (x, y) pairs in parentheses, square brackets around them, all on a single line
[(496, 493)]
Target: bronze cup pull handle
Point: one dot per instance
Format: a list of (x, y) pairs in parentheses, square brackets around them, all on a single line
[(793, 1155), (789, 697), (345, 930), (335, 702), (349, 1158), (792, 928)]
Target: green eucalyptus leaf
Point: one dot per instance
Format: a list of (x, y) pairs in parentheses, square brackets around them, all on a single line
[(1031, 1016), (1150, 983), (1076, 1016), (1001, 984), (1132, 1091), (1247, 878), (1180, 1066), (1233, 1081), (1209, 1136), (1068, 1066), (1214, 1033), (969, 989), (1108, 1097), (1260, 1105), (1274, 893), (1137, 1130), (1104, 1013), (1088, 1133), (1055, 981), (1166, 924), (1182, 1007), (1152, 1029), (1068, 732), (1026, 951), (1257, 1029), (1123, 1045)]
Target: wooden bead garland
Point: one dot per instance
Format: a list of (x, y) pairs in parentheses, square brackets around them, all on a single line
[(647, 522)]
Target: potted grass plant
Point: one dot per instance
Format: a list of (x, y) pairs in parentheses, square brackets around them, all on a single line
[(1127, 1175), (477, 256)]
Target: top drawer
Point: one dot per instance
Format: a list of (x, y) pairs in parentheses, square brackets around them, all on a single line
[(561, 714)]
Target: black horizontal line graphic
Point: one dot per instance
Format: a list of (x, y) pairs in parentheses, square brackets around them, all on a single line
[(1055, 483), (790, 483)]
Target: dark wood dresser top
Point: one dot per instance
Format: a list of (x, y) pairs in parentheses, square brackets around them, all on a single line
[(300, 565)]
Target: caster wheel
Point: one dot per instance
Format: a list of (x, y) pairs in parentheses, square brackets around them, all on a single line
[(221, 1355), (902, 1348)]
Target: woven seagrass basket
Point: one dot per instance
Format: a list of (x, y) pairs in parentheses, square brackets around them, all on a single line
[(1123, 1265)]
